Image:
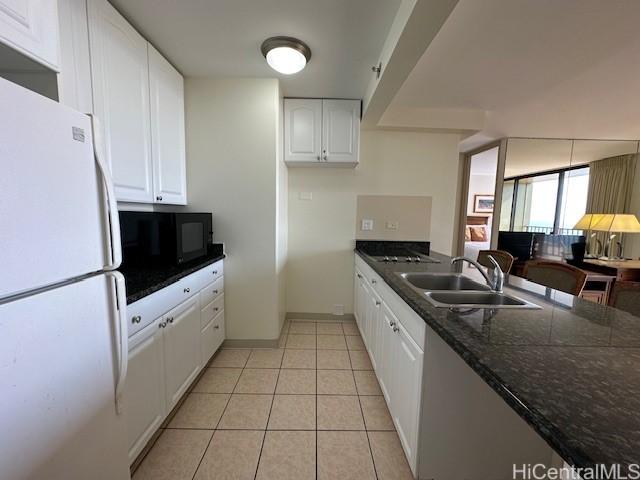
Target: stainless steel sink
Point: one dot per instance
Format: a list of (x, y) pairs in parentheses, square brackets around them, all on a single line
[(442, 281), (471, 299), (454, 290)]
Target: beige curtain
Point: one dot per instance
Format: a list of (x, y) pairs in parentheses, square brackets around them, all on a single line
[(611, 186)]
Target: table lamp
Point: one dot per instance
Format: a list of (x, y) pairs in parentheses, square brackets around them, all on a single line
[(614, 223), (586, 224)]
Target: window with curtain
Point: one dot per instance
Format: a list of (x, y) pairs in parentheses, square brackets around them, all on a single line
[(551, 202)]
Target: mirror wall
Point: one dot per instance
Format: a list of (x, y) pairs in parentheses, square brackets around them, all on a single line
[(549, 185)]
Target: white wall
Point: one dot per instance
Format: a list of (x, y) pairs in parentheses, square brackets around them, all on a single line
[(232, 171), (322, 230)]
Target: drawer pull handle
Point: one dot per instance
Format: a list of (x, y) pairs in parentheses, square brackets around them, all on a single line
[(217, 327), (373, 281), (187, 290), (170, 320), (378, 303), (162, 324), (136, 319), (359, 276), (396, 329), (215, 292)]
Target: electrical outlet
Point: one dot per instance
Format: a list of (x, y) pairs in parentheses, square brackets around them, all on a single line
[(367, 224), (391, 225), (338, 309)]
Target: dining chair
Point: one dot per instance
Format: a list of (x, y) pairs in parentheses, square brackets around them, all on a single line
[(557, 275), (626, 296), (504, 259)]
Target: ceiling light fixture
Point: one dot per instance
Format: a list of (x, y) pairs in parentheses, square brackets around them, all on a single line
[(286, 55)]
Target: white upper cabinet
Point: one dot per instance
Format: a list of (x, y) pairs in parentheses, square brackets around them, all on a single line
[(321, 132), (31, 27), (303, 130), (166, 87), (120, 75), (74, 80), (340, 131)]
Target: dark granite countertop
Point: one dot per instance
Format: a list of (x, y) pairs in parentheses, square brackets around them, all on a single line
[(570, 369), (142, 281)]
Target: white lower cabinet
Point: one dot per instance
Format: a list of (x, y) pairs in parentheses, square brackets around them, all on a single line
[(396, 357), (182, 360), (167, 354), (144, 398), (406, 388)]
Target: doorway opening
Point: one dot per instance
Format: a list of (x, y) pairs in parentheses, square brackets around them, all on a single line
[(476, 224)]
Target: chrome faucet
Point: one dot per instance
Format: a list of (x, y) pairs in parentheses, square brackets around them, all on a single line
[(498, 281)]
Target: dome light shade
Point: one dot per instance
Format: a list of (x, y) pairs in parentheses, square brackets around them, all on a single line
[(286, 55)]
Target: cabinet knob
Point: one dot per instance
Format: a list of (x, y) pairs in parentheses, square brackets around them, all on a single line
[(359, 276), (373, 281), (215, 309), (396, 329), (324, 157), (215, 292), (215, 272), (378, 303), (162, 324), (136, 319), (318, 158), (187, 290), (159, 198), (170, 320), (217, 327)]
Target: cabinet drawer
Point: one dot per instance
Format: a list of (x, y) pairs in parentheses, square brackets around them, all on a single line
[(210, 311), (146, 310), (211, 291), (212, 337), (206, 275)]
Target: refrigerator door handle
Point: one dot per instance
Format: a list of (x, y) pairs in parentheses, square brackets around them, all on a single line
[(112, 204), (122, 340)]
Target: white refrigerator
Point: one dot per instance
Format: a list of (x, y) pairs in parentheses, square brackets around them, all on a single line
[(63, 350)]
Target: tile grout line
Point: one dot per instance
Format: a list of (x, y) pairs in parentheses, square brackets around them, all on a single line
[(264, 435), (215, 428)]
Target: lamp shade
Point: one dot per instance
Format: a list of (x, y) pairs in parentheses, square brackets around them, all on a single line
[(617, 222), (588, 220)]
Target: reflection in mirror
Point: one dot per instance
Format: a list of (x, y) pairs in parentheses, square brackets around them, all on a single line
[(559, 193)]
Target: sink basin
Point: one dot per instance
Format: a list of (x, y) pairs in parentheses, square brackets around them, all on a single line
[(442, 281), (471, 299)]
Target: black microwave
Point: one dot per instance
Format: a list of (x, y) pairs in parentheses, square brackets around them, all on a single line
[(164, 238)]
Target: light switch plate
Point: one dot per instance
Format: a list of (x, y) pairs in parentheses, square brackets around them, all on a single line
[(338, 309), (391, 225), (367, 224)]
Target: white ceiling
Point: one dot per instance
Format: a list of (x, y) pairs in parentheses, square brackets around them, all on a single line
[(223, 37), (531, 155), (538, 68)]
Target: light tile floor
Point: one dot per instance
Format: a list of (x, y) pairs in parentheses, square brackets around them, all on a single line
[(311, 409)]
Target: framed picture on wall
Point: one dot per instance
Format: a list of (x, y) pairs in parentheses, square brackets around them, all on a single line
[(483, 203)]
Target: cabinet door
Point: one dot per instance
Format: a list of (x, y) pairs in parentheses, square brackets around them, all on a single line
[(74, 81), (357, 295), (31, 27), (340, 130), (302, 130), (120, 74), (373, 326), (212, 337), (181, 355), (166, 88), (144, 393), (406, 376), (386, 343)]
